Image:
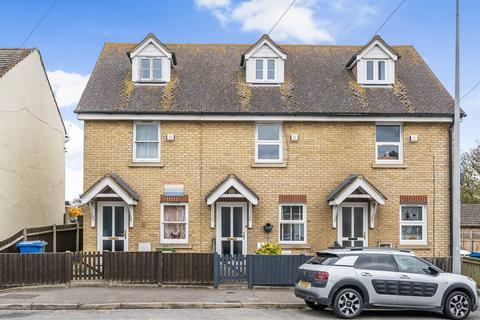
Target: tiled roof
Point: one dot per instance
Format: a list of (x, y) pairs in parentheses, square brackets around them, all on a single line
[(10, 57), (214, 189), (470, 215), (209, 80)]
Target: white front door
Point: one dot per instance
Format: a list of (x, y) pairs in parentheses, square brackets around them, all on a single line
[(112, 226), (352, 225), (231, 229)]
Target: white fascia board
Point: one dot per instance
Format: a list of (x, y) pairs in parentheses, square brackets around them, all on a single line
[(232, 182), (354, 186), (268, 43), (107, 181), (156, 44), (180, 117), (377, 43)]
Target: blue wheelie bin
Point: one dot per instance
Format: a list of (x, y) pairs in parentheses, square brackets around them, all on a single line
[(36, 246)]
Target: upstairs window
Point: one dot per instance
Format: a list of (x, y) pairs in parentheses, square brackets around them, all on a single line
[(265, 69), (150, 69), (389, 147), (146, 142), (375, 70), (268, 143)]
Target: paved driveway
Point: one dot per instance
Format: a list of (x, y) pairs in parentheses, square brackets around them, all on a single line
[(217, 314)]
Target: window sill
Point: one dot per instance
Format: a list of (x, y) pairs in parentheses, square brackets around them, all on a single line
[(414, 247), (389, 165), (294, 245), (155, 83), (146, 164), (269, 165), (174, 246)]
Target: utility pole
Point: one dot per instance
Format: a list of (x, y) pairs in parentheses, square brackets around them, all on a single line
[(456, 265)]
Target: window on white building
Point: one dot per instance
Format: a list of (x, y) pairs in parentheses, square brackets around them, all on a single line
[(150, 69)]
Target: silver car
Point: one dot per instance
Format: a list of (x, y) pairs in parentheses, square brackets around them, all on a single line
[(349, 280)]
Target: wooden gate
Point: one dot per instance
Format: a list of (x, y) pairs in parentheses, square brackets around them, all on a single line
[(87, 266), (230, 269)]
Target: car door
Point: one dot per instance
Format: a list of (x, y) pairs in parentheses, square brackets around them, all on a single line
[(418, 285), (377, 273)]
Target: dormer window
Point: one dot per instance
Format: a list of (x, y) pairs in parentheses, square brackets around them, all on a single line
[(265, 69), (374, 64), (151, 61), (264, 62), (375, 70), (150, 69)]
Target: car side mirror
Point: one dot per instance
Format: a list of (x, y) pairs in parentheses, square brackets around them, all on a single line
[(431, 271)]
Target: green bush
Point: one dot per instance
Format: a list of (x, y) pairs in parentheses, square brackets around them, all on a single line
[(269, 249)]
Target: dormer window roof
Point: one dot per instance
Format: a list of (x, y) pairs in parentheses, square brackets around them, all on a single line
[(264, 62), (374, 64), (151, 61)]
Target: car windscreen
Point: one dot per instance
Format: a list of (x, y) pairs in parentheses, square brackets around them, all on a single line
[(325, 259)]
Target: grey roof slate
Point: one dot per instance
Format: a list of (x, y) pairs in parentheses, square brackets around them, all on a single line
[(10, 57), (470, 215), (209, 80)]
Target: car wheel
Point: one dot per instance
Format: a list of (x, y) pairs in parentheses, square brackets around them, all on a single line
[(457, 306), (315, 305), (348, 303)]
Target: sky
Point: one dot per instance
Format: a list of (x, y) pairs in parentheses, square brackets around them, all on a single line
[(71, 36)]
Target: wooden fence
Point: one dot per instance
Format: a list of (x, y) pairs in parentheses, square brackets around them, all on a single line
[(35, 269), (444, 263), (158, 267), (470, 240), (274, 270), (59, 238), (471, 268), (87, 265)]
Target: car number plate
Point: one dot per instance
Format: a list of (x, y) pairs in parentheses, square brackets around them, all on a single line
[(304, 284)]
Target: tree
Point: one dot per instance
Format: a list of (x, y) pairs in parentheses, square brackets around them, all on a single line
[(470, 184)]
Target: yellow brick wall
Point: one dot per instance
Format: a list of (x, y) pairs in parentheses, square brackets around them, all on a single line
[(204, 153)]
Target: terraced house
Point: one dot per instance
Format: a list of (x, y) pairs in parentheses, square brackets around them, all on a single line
[(221, 147)]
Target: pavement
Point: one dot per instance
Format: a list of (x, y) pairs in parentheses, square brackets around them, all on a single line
[(141, 297), (212, 314)]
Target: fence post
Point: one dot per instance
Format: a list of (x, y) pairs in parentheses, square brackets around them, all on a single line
[(159, 268), (250, 266), (24, 233), (77, 237), (216, 270), (68, 268), (54, 227)]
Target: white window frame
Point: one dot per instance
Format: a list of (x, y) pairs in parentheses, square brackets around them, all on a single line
[(162, 235), (303, 221), (375, 79), (400, 144), (422, 223), (264, 78), (269, 142), (151, 78), (135, 159)]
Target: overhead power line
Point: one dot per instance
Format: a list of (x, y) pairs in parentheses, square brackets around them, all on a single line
[(470, 91), (388, 18), (38, 23), (281, 17)]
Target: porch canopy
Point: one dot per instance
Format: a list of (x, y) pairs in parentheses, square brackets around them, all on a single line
[(231, 189), (110, 188), (356, 188)]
